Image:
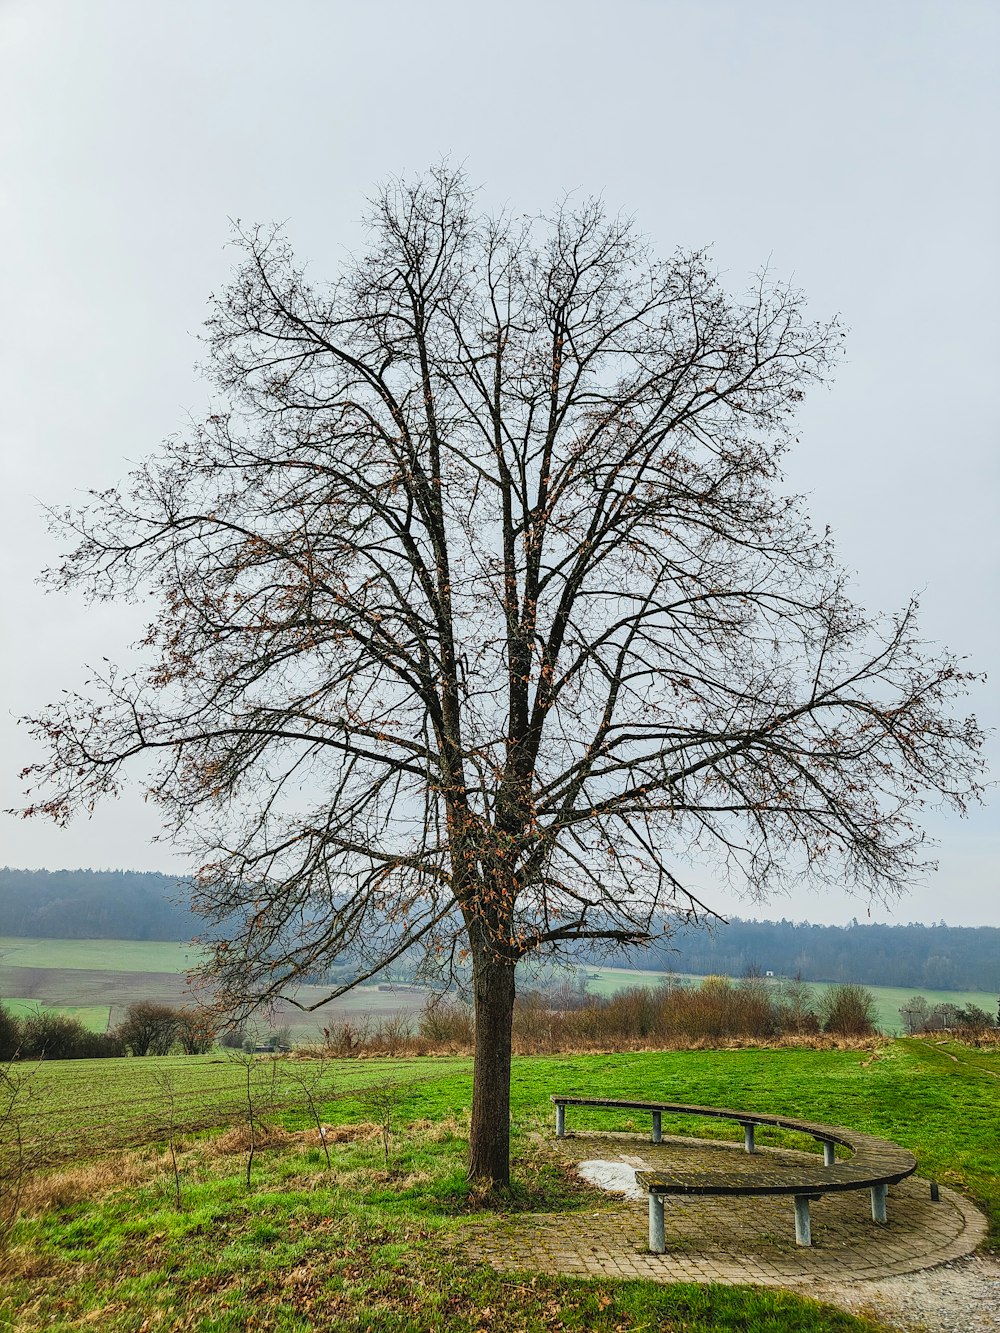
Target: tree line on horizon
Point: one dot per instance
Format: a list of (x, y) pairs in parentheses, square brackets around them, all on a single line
[(95, 904), (148, 905), (925, 957)]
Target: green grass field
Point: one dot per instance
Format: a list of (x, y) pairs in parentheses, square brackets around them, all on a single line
[(92, 1016), (86, 978), (888, 999), (99, 955), (369, 1246)]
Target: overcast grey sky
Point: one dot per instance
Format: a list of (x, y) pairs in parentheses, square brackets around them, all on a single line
[(852, 146)]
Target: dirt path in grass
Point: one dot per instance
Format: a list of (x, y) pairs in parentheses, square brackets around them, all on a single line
[(969, 1064)]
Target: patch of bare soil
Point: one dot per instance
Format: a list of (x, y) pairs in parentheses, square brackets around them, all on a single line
[(958, 1297)]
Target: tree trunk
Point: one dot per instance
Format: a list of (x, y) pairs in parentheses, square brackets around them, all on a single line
[(489, 1138)]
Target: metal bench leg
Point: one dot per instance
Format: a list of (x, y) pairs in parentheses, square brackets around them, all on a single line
[(560, 1122), (803, 1229), (657, 1127), (748, 1138), (878, 1202), (657, 1238), (829, 1153)]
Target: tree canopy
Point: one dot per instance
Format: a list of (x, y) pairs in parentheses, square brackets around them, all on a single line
[(482, 614)]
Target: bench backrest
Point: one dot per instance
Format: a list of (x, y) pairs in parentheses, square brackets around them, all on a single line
[(871, 1159)]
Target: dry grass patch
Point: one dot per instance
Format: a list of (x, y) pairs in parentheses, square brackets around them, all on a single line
[(62, 1189), (241, 1139), (237, 1140), (438, 1131), (358, 1133)]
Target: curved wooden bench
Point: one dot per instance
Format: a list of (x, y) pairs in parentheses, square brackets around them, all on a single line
[(874, 1164)]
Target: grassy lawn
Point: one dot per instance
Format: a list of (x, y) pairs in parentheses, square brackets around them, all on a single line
[(888, 999), (360, 1247), (366, 1244)]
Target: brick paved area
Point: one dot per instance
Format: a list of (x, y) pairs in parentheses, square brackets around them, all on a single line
[(729, 1240)]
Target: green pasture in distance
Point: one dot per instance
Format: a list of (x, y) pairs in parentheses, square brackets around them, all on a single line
[(92, 1016), (888, 999), (366, 1004), (100, 955), (177, 958)]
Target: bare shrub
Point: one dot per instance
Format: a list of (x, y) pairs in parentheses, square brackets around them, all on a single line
[(447, 1022), (148, 1028), (849, 1010), (670, 1015), (942, 1017), (796, 1007), (392, 1033), (381, 1102), (195, 1030), (51, 1035), (99, 1046), (974, 1021), (347, 1038)]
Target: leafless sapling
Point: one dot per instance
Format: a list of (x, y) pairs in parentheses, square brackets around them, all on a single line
[(381, 1102), (313, 1079), (164, 1080)]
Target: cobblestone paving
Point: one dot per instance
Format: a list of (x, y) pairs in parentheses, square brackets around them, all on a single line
[(730, 1240)]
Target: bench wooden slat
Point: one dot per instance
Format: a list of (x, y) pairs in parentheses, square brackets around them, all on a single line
[(874, 1163)]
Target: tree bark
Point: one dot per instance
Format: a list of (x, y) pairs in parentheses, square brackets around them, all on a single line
[(489, 1137)]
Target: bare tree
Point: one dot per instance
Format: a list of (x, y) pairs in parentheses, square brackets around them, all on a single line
[(312, 1078), (148, 1028), (915, 1013), (482, 616), (259, 1082)]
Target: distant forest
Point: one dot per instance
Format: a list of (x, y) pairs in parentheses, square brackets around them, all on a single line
[(936, 957), (136, 905), (95, 905)]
